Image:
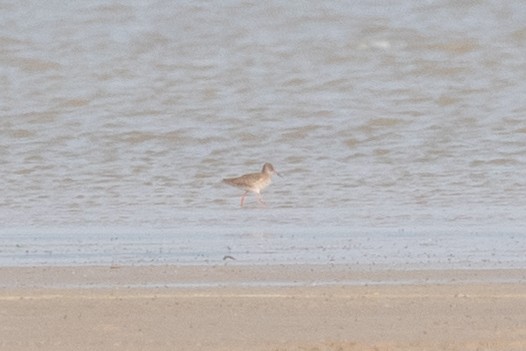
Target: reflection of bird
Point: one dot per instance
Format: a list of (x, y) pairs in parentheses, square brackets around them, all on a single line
[(254, 182)]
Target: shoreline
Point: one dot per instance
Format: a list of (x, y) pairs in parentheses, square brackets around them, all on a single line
[(241, 275), (315, 307), (432, 247)]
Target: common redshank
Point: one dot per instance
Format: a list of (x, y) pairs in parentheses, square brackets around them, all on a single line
[(254, 182)]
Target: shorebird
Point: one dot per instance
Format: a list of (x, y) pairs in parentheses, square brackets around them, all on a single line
[(254, 182)]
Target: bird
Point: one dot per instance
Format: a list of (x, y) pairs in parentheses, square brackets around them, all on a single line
[(254, 182)]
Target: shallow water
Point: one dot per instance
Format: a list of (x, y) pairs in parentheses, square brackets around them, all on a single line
[(393, 116)]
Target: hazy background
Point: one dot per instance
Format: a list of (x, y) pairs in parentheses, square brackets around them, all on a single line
[(396, 114)]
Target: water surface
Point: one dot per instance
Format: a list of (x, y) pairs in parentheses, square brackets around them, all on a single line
[(389, 115)]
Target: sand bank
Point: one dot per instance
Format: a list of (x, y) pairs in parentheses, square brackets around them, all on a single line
[(298, 307)]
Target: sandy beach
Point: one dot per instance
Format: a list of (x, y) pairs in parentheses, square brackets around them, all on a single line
[(292, 307)]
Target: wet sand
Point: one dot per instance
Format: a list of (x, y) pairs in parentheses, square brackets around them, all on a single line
[(296, 307)]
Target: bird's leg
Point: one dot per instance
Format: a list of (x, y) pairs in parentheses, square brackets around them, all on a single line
[(260, 200), (243, 198)]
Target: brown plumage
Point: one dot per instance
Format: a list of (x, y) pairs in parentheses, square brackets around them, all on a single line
[(254, 182)]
